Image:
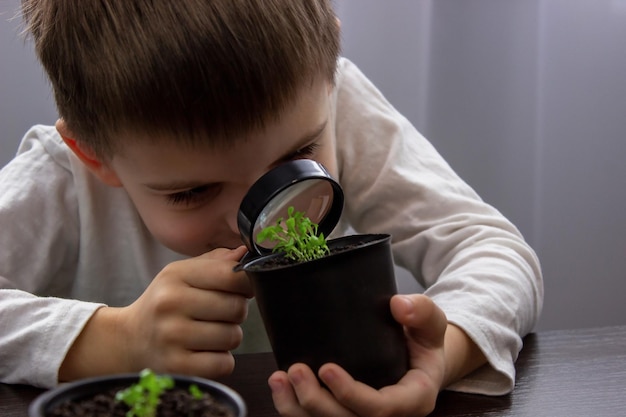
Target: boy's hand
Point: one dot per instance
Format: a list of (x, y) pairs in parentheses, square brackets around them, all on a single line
[(297, 393), (185, 322), (188, 319)]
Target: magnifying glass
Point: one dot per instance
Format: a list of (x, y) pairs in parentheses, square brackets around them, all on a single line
[(304, 184)]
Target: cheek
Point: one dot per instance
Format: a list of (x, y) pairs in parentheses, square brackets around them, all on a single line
[(188, 233)]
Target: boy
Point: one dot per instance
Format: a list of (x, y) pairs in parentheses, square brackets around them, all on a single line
[(124, 214)]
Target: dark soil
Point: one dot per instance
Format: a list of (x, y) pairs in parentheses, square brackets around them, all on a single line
[(281, 260), (175, 402)]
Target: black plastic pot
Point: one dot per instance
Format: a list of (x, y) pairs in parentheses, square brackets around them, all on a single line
[(334, 309), (75, 391)]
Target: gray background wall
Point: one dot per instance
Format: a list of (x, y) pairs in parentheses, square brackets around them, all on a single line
[(525, 98)]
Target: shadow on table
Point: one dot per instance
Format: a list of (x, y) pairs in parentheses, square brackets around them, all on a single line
[(458, 404)]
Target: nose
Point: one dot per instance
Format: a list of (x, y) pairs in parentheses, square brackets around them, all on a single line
[(235, 198), (231, 220)]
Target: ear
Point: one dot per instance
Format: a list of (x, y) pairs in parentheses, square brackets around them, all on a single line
[(99, 168)]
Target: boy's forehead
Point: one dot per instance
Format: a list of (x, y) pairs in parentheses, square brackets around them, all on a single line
[(171, 168)]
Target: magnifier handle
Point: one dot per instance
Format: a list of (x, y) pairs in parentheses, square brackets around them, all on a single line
[(244, 260)]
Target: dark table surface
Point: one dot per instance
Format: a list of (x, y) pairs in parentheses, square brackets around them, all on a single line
[(559, 373)]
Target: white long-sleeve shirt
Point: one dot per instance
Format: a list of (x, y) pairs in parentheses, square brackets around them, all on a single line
[(70, 244)]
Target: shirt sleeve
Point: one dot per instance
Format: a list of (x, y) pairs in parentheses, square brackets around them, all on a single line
[(38, 249), (35, 335), (472, 261)]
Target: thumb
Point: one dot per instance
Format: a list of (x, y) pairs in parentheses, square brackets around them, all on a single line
[(424, 322)]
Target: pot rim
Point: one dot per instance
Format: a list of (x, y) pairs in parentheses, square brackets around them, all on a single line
[(40, 404), (374, 238)]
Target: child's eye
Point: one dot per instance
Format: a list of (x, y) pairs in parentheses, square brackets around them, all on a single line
[(193, 196), (306, 152)]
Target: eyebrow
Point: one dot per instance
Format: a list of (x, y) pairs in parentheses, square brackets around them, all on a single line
[(174, 185), (305, 140)]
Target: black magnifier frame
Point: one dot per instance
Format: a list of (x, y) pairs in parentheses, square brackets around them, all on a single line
[(302, 183)]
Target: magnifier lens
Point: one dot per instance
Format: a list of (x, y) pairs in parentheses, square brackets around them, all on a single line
[(302, 183), (314, 197)]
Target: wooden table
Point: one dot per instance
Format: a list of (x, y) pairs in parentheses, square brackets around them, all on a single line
[(559, 373)]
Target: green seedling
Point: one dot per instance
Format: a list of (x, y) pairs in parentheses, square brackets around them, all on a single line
[(195, 392), (144, 396), (297, 238)]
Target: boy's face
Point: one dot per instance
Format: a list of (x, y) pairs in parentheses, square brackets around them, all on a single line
[(189, 197)]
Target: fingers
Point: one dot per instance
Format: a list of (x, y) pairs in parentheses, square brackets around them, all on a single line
[(177, 344), (188, 318), (212, 271), (208, 305), (196, 336), (354, 395), (210, 365), (226, 254), (297, 393), (412, 396), (284, 397)]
